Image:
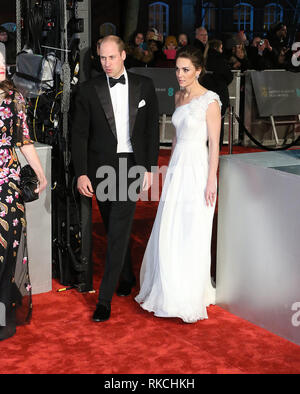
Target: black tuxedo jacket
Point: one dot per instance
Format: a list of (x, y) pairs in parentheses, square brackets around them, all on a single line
[(94, 137)]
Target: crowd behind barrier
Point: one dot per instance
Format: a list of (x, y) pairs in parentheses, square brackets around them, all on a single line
[(226, 62), (273, 51)]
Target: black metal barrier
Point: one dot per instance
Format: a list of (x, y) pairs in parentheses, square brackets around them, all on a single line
[(254, 140), (261, 145)]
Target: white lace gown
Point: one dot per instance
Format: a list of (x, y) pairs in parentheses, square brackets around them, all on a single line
[(175, 276)]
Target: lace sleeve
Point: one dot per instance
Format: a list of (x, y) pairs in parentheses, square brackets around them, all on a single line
[(214, 97), (21, 126)]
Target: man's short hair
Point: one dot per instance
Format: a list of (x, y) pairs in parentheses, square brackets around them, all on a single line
[(114, 39), (200, 28)]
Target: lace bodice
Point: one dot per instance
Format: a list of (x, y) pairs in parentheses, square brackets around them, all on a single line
[(190, 119)]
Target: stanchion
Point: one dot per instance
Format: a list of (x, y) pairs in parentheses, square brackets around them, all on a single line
[(230, 129)]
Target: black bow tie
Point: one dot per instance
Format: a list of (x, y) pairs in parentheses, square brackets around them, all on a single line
[(114, 81)]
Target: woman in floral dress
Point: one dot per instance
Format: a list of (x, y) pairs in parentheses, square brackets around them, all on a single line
[(15, 288)]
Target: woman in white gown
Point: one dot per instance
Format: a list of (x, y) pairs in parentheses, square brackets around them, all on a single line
[(175, 274)]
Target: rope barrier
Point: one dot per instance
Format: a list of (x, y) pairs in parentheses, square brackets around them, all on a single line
[(261, 145)]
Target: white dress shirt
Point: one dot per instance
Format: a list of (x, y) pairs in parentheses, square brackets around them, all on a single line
[(120, 103)]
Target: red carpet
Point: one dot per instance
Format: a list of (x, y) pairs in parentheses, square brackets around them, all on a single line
[(62, 338)]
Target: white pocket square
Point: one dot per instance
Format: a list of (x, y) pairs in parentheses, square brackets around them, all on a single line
[(142, 103)]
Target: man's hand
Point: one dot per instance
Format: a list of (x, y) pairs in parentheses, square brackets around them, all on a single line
[(147, 182), (84, 186)]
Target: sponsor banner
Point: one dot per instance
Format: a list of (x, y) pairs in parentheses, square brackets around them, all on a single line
[(277, 93), (165, 83)]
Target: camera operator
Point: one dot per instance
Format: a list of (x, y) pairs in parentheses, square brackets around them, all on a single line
[(239, 58)]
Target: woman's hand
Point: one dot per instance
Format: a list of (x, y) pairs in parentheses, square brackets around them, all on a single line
[(32, 158), (42, 184), (210, 193)]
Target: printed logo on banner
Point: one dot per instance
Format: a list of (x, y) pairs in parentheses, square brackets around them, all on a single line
[(170, 92), (296, 315), (296, 54), (264, 91)]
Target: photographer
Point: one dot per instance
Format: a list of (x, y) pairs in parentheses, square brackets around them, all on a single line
[(137, 54), (279, 43), (261, 55), (239, 59), (154, 41)]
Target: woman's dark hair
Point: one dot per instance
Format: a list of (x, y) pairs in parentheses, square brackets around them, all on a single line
[(212, 44), (7, 86), (215, 44), (133, 36), (195, 55)]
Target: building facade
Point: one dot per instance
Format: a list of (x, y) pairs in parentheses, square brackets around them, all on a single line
[(174, 16), (219, 16), (254, 17)]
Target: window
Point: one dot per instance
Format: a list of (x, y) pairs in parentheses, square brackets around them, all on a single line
[(209, 16), (159, 17), (243, 17), (273, 13)]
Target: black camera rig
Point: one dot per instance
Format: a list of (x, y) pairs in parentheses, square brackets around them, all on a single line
[(53, 42)]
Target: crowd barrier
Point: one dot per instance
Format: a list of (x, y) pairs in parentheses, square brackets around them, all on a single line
[(271, 107)]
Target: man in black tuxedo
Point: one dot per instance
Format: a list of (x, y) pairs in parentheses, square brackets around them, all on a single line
[(116, 129)]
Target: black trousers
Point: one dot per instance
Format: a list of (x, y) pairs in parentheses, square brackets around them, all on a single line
[(117, 213)]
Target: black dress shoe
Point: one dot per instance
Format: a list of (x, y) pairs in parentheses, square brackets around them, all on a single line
[(124, 288), (102, 313)]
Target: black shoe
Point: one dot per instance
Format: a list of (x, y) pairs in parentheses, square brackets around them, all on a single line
[(102, 313), (125, 287)]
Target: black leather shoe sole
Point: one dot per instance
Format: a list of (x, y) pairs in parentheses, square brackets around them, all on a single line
[(102, 313)]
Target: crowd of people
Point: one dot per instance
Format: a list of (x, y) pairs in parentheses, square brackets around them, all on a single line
[(151, 49)]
